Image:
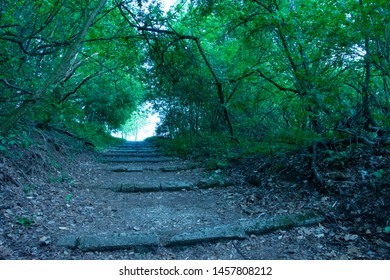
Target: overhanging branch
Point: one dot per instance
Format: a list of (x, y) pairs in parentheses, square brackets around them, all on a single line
[(77, 88), (5, 82), (276, 84)]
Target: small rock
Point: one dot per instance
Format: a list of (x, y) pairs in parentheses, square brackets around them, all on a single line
[(350, 237), (5, 252), (45, 240), (63, 228)]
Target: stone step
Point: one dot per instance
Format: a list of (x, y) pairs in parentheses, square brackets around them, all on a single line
[(134, 147), (132, 150), (135, 143), (131, 169), (126, 169), (131, 154), (168, 186), (141, 143), (146, 241), (176, 168), (150, 187), (141, 242), (137, 159)]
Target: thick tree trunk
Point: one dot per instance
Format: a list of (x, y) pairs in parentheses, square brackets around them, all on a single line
[(55, 77)]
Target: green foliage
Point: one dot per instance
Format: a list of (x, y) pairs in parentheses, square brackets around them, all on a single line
[(379, 173), (18, 138), (55, 179), (292, 73), (27, 188), (95, 133), (214, 151), (337, 158), (276, 74), (24, 221), (100, 85)]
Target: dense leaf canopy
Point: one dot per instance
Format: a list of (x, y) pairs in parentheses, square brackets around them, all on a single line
[(288, 70)]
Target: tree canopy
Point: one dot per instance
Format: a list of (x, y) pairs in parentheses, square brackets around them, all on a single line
[(289, 70)]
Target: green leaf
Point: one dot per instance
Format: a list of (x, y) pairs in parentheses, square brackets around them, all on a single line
[(379, 173), (24, 221)]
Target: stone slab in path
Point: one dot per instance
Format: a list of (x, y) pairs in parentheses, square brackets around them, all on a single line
[(148, 187), (146, 241), (136, 159), (126, 169), (141, 169), (176, 186), (176, 168), (109, 242), (130, 154), (262, 226), (224, 232), (133, 149), (165, 186)]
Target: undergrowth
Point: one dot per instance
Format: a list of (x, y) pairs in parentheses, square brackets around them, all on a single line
[(218, 151), (31, 156), (95, 134)]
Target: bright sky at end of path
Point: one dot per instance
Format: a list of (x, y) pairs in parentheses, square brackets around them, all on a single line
[(149, 129)]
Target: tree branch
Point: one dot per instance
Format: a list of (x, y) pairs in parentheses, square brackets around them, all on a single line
[(77, 88), (276, 84), (9, 25), (15, 87)]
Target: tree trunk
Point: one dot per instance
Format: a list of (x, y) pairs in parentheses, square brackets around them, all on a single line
[(366, 98)]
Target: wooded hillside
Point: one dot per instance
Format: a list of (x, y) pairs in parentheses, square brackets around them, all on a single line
[(283, 96)]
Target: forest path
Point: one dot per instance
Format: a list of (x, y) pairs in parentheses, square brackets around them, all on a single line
[(138, 201)]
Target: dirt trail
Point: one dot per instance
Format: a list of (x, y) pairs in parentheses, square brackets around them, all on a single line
[(138, 203), (132, 202)]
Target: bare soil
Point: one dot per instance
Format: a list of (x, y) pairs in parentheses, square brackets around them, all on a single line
[(53, 189)]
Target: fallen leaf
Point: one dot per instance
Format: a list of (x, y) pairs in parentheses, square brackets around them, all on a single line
[(350, 237), (63, 228), (354, 250)]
